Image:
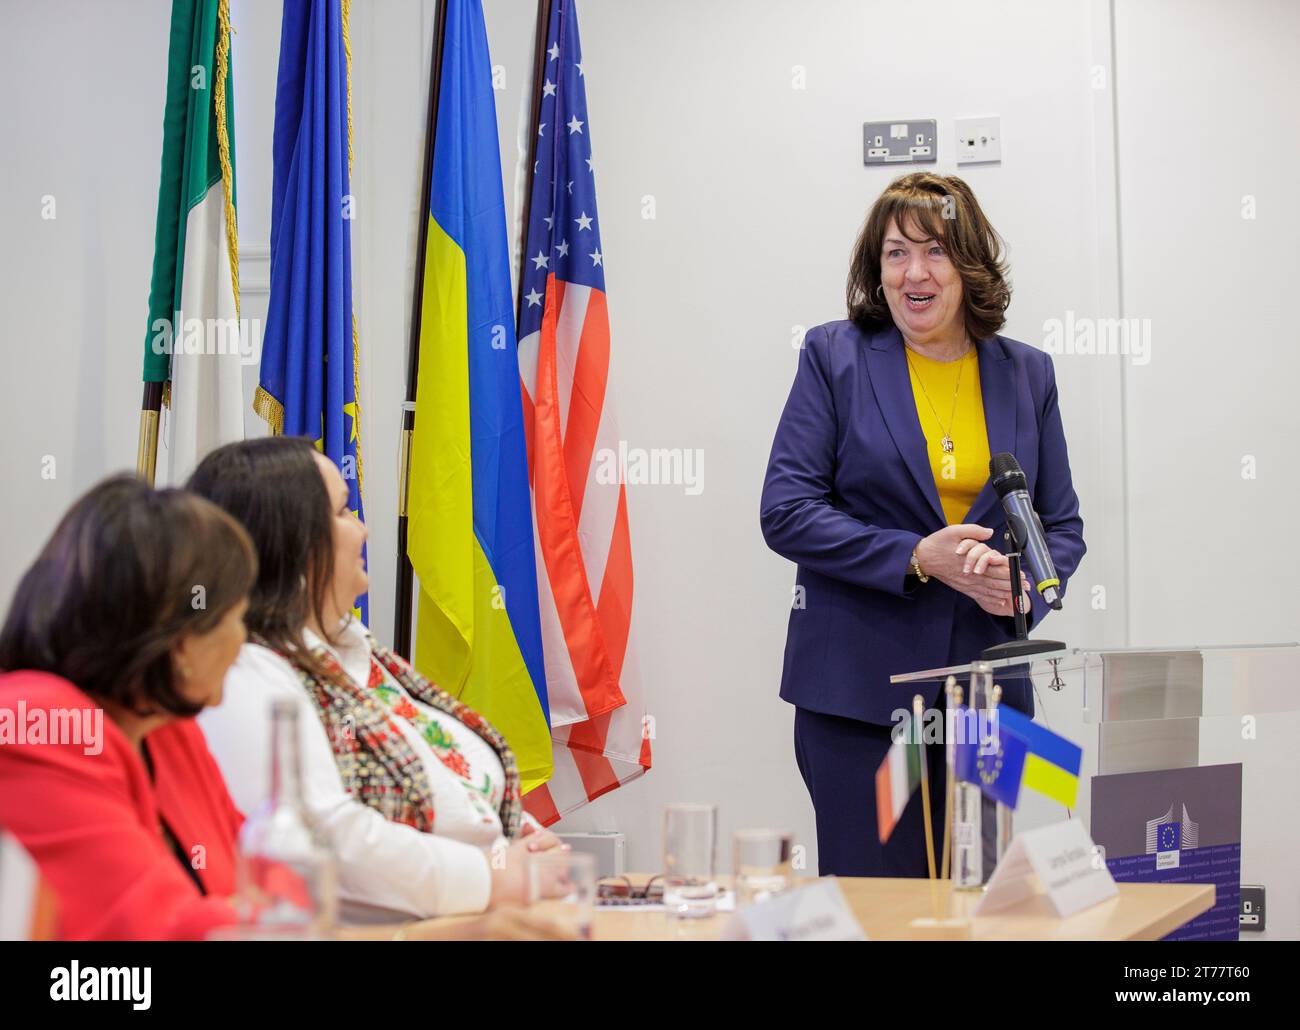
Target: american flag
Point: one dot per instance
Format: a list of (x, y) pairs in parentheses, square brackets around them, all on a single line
[(584, 550)]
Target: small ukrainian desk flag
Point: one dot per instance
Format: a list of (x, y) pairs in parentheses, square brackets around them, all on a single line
[(1051, 764), (1025, 755)]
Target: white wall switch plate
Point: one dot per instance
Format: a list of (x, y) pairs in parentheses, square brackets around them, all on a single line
[(979, 139)]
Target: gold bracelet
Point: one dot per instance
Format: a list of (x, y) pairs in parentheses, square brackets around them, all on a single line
[(916, 568)]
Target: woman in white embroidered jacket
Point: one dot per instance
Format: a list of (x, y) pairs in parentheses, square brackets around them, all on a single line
[(417, 793)]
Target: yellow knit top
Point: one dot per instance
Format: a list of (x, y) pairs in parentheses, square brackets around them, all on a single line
[(960, 474)]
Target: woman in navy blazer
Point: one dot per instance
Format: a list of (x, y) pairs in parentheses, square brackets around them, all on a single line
[(851, 498)]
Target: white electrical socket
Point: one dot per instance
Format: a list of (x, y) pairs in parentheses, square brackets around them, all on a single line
[(979, 139)]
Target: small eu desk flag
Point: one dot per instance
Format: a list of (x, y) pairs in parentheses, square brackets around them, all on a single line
[(998, 770), (982, 755)]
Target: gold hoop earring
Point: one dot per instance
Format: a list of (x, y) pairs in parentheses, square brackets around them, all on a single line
[(880, 291)]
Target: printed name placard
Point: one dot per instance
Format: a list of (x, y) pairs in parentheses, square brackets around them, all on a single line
[(817, 912), (1067, 864)]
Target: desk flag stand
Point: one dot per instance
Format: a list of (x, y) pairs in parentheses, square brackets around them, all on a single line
[(918, 715), (964, 824), (940, 924)]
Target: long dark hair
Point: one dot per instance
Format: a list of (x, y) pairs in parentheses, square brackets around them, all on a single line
[(273, 486), (128, 572)]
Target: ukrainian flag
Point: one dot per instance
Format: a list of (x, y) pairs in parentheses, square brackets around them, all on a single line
[(1051, 763), (470, 536)]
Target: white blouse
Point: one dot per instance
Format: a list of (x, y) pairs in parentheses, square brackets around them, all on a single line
[(382, 865)]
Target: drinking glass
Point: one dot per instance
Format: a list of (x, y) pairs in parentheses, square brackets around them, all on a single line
[(562, 885), (760, 861), (690, 846)]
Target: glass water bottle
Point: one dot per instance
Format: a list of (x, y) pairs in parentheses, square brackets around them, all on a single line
[(971, 861), (287, 874)]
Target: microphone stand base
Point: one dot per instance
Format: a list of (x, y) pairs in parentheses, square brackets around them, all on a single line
[(1019, 649)]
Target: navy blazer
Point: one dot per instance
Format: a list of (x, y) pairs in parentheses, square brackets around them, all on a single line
[(849, 492)]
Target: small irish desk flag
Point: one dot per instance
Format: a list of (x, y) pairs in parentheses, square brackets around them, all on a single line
[(898, 776)]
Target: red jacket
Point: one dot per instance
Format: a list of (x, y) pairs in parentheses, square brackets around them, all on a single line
[(91, 821)]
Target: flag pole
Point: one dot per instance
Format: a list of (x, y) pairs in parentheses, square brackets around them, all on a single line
[(539, 69), (146, 453), (953, 692), (405, 573), (918, 712)]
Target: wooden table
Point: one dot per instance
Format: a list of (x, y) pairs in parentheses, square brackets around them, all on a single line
[(886, 908)]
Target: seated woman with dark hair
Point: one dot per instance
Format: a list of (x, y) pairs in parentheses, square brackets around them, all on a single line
[(418, 795), (133, 610)]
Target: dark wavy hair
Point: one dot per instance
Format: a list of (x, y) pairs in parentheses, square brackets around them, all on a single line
[(273, 486), (116, 588), (944, 208)]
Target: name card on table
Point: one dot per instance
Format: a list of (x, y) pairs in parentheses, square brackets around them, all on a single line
[(817, 912), (1066, 863)]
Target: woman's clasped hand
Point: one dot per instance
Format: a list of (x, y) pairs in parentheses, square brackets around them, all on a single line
[(958, 556)]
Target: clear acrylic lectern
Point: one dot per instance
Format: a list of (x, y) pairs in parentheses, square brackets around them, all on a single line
[(1137, 710)]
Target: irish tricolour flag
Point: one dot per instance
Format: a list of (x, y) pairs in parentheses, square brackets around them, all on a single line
[(193, 340), (897, 778)]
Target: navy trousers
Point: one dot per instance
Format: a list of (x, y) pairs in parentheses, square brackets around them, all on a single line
[(838, 759)]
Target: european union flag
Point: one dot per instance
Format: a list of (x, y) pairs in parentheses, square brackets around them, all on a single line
[(980, 756), (963, 742), (308, 383), (998, 773)]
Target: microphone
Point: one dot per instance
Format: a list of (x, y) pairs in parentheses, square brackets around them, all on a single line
[(1008, 479)]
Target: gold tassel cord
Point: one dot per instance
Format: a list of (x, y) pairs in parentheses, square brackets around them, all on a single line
[(271, 410), (223, 143), (346, 8)]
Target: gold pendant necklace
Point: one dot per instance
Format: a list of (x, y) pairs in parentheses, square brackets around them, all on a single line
[(946, 440)]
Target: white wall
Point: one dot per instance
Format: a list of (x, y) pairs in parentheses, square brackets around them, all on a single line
[(1211, 537), (759, 190), (1197, 137), (82, 126)]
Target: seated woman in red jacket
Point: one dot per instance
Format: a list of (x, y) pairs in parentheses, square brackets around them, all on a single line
[(134, 611), (123, 629)]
